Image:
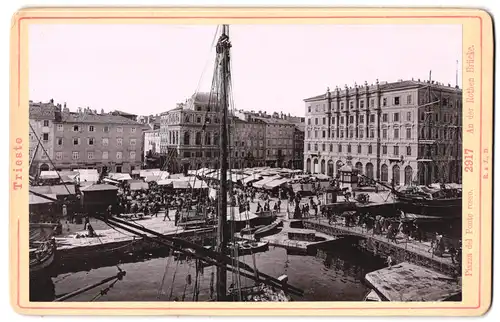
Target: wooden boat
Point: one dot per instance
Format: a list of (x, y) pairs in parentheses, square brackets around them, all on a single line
[(244, 247), (43, 256), (268, 230), (372, 296), (250, 230), (259, 293)]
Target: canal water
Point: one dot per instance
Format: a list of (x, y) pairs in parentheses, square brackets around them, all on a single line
[(329, 276)]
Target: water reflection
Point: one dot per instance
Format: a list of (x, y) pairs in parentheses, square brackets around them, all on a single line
[(331, 275)]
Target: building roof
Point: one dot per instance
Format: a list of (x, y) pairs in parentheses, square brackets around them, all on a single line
[(98, 118), (386, 87), (273, 120), (98, 187), (123, 113)]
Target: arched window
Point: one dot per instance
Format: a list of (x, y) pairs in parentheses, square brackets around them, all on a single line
[(216, 138), (207, 139), (396, 175), (198, 138), (408, 175), (384, 174), (198, 119), (208, 120), (186, 119), (369, 170), (187, 138), (308, 165)]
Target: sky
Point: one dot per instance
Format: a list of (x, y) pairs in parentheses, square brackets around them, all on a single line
[(147, 69)]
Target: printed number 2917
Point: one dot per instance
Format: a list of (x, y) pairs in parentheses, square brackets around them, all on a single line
[(468, 160)]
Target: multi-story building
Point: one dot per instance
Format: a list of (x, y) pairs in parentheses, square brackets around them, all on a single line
[(278, 141), (190, 134), (106, 142), (41, 135), (247, 142), (152, 141), (298, 147), (403, 132)]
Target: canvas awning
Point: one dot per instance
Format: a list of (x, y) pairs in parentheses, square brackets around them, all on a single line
[(139, 186), (181, 184), (261, 183), (58, 190), (198, 184), (119, 176), (251, 178), (45, 175), (38, 200), (98, 187), (110, 181), (165, 182), (275, 183)]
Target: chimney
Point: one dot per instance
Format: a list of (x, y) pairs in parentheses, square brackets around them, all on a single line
[(51, 101)]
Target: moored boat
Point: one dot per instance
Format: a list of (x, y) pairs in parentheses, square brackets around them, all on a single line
[(245, 247), (250, 230), (268, 230), (42, 257)]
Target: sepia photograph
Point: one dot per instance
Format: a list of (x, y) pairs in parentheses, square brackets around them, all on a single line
[(245, 162)]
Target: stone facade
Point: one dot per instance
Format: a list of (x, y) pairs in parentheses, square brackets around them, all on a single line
[(385, 131)]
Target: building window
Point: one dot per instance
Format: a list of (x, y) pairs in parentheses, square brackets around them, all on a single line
[(119, 141), (396, 117), (324, 122), (308, 146), (408, 133), (106, 129), (341, 105), (408, 116), (315, 134), (59, 141), (323, 147), (90, 141), (384, 149), (45, 136), (360, 133), (119, 155), (198, 119), (118, 169), (75, 155), (361, 119), (58, 155), (361, 103), (60, 127), (372, 102), (132, 130), (308, 109), (408, 150), (351, 105), (384, 133), (359, 148), (348, 148), (104, 155), (331, 147), (341, 120), (316, 121), (105, 141), (372, 133), (308, 134), (341, 134), (76, 128), (91, 128), (340, 148), (396, 133), (385, 118), (333, 120), (119, 129), (324, 134), (372, 118), (90, 155), (351, 134), (133, 141), (76, 141), (315, 147), (396, 150), (45, 122), (408, 99), (308, 121), (384, 101), (351, 119), (132, 155), (369, 149), (396, 100)]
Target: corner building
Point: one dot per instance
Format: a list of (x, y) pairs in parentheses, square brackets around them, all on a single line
[(408, 132)]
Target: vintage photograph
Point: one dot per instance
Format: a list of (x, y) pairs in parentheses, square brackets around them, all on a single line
[(245, 163)]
